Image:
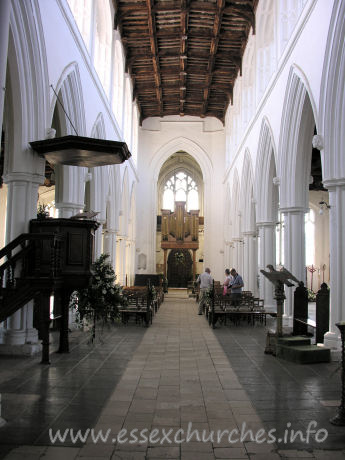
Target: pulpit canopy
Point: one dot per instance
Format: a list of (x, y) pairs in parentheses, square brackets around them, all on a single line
[(81, 151)]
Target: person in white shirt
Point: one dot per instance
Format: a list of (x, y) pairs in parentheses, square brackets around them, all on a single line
[(206, 281)]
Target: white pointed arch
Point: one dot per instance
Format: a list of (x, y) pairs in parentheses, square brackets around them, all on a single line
[(246, 201), (70, 181), (28, 72), (332, 100), (124, 210), (235, 206), (265, 170), (187, 145), (295, 143), (98, 129), (70, 92)]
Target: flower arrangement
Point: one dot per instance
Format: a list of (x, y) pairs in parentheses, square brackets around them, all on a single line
[(100, 300), (179, 258)]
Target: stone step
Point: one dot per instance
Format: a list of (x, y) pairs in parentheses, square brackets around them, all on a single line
[(292, 341), (303, 354)]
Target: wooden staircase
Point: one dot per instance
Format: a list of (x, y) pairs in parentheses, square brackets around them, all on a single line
[(20, 277), (55, 257)]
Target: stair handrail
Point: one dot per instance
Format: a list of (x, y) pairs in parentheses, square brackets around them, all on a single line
[(22, 240)]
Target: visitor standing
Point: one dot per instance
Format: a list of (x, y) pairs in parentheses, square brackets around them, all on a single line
[(227, 282), (205, 280), (236, 287)]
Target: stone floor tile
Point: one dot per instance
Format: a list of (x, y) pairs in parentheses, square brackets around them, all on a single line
[(123, 455), (163, 452), (183, 371), (197, 447), (96, 450), (266, 456), (230, 452), (329, 455), (58, 453), (295, 454)]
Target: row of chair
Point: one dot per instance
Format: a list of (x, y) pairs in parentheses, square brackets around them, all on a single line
[(142, 302), (222, 308)]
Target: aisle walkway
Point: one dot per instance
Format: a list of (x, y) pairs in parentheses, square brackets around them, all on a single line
[(180, 383)]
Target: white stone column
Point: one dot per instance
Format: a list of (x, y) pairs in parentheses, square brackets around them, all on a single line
[(98, 249), (5, 7), (237, 262), (294, 249), (70, 189), (250, 262), (110, 245), (67, 210), (227, 254), (267, 255), (121, 259), (19, 335), (336, 190)]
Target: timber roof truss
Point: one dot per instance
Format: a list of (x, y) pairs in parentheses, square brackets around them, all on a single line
[(184, 55)]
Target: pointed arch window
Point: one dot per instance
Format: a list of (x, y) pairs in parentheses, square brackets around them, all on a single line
[(181, 186)]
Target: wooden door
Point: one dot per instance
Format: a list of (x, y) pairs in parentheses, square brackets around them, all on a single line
[(180, 268)]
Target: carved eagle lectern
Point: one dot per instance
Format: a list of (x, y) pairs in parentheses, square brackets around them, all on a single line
[(283, 275)]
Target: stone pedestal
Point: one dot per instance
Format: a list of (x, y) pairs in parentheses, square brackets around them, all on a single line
[(300, 310), (322, 313)]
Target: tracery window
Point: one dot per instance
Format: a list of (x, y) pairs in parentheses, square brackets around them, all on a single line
[(181, 187)]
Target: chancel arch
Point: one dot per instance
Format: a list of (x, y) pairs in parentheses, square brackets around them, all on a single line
[(180, 144), (180, 190)]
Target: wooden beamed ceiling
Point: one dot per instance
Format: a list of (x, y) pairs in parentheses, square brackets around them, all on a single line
[(184, 56)]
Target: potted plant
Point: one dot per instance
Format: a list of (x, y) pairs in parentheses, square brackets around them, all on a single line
[(42, 211)]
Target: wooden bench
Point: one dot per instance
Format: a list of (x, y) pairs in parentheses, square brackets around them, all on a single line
[(221, 308), (139, 306)]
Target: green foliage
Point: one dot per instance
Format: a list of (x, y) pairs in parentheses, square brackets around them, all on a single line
[(179, 258), (311, 296), (100, 300), (42, 211)]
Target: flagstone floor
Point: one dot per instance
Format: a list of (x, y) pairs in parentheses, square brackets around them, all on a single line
[(177, 390)]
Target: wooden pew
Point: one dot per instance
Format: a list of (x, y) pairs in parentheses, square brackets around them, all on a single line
[(140, 305)]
